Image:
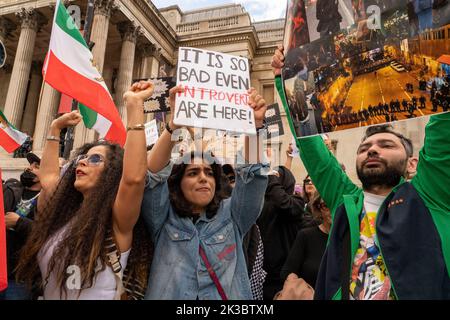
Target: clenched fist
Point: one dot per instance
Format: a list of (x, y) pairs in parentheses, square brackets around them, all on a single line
[(139, 92), (278, 60), (295, 288), (259, 106), (67, 120)]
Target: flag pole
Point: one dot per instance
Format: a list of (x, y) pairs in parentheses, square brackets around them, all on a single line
[(68, 144)]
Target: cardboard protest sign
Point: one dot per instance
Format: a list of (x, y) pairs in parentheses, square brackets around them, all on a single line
[(273, 121), (151, 132), (358, 63), (216, 91), (159, 101)]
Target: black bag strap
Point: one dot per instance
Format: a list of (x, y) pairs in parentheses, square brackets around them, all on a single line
[(128, 287)]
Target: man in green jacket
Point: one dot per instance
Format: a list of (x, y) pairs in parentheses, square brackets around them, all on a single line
[(390, 239)]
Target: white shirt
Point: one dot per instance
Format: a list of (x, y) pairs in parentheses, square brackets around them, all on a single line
[(103, 288), (373, 202)]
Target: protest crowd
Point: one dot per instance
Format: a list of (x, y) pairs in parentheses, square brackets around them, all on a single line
[(133, 224), (128, 221)]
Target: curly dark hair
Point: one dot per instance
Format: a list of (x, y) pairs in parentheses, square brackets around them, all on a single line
[(179, 203), (87, 223)]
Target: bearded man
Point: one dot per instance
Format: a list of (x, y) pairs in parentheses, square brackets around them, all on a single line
[(389, 239)]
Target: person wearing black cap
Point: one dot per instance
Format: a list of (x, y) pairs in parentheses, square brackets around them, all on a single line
[(20, 201)]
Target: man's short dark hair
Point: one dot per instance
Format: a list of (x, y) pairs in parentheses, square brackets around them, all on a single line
[(387, 128)]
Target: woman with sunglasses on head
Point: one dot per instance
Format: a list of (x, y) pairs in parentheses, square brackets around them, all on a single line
[(87, 232), (197, 233), (308, 248)]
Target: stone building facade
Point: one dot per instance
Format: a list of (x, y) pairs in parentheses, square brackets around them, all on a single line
[(133, 39)]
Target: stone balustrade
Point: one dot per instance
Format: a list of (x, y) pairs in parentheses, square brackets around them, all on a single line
[(223, 22), (213, 24), (268, 35), (188, 27)]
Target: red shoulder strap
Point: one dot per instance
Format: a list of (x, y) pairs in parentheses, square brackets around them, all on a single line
[(212, 274)]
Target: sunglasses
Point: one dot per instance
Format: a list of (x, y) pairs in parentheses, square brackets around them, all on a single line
[(231, 179), (92, 160), (307, 181)]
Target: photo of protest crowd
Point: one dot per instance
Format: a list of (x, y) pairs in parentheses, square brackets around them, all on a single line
[(366, 72), (205, 209)]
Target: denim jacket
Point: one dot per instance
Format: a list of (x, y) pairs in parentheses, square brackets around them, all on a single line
[(177, 271)]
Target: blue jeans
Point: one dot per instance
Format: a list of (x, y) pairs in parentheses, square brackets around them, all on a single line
[(15, 291)]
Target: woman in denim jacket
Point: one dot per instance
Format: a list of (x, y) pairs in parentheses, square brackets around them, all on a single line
[(192, 226)]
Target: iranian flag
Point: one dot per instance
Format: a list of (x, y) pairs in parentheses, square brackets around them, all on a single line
[(69, 68), (10, 137)]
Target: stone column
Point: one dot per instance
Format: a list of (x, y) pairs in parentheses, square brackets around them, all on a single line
[(5, 77), (150, 60), (31, 22), (6, 27), (99, 35), (48, 107), (31, 105), (129, 33), (100, 27), (137, 64), (108, 72), (149, 66)]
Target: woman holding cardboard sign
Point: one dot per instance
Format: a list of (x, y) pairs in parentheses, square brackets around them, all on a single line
[(198, 234)]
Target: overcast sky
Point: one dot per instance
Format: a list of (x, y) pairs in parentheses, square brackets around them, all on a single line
[(259, 10)]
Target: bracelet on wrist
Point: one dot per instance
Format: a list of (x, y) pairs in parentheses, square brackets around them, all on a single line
[(53, 138), (136, 127)]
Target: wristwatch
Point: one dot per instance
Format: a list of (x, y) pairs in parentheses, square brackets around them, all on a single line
[(168, 128)]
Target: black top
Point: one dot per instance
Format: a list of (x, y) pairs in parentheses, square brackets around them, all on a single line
[(306, 254), (15, 240), (282, 216), (29, 194)]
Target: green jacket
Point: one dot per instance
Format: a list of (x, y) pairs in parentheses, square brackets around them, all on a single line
[(431, 186)]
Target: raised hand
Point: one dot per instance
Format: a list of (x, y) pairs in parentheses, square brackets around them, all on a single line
[(172, 95), (67, 120), (278, 60), (289, 150), (139, 92), (258, 104)]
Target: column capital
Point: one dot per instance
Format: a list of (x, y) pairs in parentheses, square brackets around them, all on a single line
[(6, 27), (149, 50), (31, 19), (129, 31), (105, 7)]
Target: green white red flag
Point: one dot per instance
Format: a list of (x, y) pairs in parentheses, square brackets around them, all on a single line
[(10, 137), (69, 68)]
